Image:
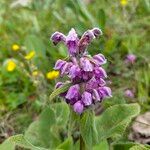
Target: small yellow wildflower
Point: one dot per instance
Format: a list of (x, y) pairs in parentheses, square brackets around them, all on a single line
[(35, 73), (10, 66), (15, 47), (30, 55), (52, 75), (123, 2)]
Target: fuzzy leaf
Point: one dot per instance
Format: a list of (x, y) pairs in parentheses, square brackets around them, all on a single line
[(60, 90), (88, 128), (115, 119), (66, 145), (18, 140)]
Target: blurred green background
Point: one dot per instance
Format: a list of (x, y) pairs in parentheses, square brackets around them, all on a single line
[(29, 24)]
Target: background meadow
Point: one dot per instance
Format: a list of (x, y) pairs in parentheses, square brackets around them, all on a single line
[(27, 58)]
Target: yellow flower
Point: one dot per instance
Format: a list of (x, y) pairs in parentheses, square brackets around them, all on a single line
[(30, 55), (35, 73), (123, 2), (15, 47), (52, 75), (11, 65)]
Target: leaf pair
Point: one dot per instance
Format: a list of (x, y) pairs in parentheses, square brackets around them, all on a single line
[(111, 124)]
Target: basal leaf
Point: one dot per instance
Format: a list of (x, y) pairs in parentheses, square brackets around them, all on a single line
[(18, 140), (115, 119)]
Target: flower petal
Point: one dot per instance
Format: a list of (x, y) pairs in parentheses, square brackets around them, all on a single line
[(58, 37), (100, 72), (78, 107), (86, 64), (72, 42), (99, 59), (97, 32), (86, 98), (73, 92)]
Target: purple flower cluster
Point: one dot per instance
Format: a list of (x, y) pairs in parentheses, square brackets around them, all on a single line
[(84, 71)]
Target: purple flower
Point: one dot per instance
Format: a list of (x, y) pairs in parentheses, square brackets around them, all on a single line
[(96, 95), (130, 58), (72, 42), (73, 92), (58, 37), (86, 64), (100, 72), (74, 71), (86, 98), (83, 71), (78, 107), (129, 93), (99, 59), (105, 92)]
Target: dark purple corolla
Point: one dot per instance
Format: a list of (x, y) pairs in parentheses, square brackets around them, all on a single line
[(84, 71)]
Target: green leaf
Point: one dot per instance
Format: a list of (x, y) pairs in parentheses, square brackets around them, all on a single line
[(101, 146), (33, 42), (39, 133), (102, 18), (139, 147), (18, 140), (88, 128), (66, 145), (7, 145), (129, 146), (115, 119), (85, 11), (61, 112), (45, 131), (60, 90)]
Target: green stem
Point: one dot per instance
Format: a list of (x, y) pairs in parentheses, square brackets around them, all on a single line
[(82, 144)]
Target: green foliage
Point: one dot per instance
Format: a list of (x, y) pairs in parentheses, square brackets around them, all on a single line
[(113, 122), (60, 90)]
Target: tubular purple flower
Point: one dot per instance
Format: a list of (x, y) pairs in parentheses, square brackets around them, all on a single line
[(59, 64), (78, 107), (72, 42), (105, 92), (97, 32), (86, 98), (96, 95), (99, 59), (73, 92), (74, 71), (100, 72), (85, 40), (86, 64), (65, 68), (58, 37)]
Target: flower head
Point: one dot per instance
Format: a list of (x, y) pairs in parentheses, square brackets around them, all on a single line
[(123, 2), (15, 47), (52, 75), (83, 71), (30, 55), (130, 58), (35, 73), (129, 93), (10, 65)]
